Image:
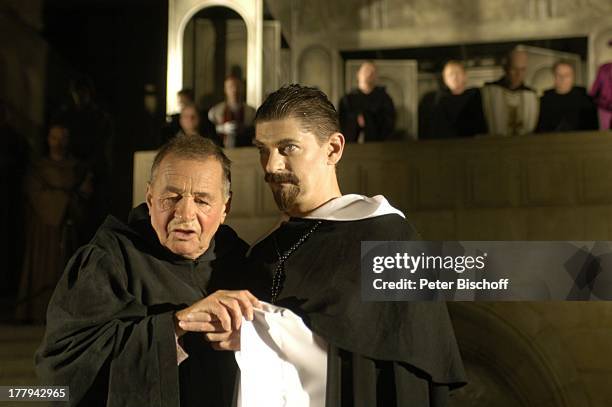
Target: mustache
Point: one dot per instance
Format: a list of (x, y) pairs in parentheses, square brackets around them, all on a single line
[(181, 225), (278, 177)]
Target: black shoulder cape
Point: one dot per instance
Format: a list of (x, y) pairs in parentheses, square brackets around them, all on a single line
[(572, 111), (110, 330), (381, 353), (377, 109), (444, 115)]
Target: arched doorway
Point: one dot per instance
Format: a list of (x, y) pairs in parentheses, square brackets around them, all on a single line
[(214, 46), (513, 358), (181, 12)]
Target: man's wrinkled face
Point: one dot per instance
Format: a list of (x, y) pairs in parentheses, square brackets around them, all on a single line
[(454, 77), (564, 78), (187, 204), (293, 162)]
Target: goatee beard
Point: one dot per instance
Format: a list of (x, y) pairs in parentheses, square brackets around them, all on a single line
[(285, 188), (286, 196)]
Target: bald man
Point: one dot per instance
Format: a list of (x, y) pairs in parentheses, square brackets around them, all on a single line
[(511, 108), (453, 111), (367, 112)]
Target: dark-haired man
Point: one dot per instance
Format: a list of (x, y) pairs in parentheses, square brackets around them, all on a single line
[(189, 120), (135, 320), (184, 98), (377, 353)]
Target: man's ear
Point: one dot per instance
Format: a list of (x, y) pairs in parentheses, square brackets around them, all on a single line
[(149, 196), (228, 206), (335, 148)]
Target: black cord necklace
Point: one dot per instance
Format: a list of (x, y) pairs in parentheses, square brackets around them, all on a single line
[(279, 273)]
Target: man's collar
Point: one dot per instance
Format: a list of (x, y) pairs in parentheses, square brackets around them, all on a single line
[(344, 208), (354, 207)]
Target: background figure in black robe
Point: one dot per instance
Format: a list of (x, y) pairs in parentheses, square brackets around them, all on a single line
[(379, 353), (113, 331), (91, 142), (566, 107), (367, 113), (453, 111)]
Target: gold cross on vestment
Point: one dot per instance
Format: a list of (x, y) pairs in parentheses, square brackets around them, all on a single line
[(515, 124)]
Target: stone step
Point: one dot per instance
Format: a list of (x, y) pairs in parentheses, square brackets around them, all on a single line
[(16, 333), (17, 346), (17, 368), (20, 350)]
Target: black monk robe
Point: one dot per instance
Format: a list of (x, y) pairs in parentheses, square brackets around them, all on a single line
[(380, 353), (444, 115), (572, 111), (377, 110), (110, 331)]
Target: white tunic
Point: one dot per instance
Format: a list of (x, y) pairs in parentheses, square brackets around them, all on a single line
[(282, 362)]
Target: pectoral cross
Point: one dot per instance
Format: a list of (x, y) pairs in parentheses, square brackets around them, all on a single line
[(515, 124)]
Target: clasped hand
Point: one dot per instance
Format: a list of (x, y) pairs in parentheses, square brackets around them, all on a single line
[(218, 317)]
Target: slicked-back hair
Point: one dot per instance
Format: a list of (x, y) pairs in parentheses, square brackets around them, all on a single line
[(311, 107), (194, 148)]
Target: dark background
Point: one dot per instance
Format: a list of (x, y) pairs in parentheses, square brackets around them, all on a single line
[(120, 46)]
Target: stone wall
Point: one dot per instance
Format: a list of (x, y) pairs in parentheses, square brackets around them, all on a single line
[(545, 187), (349, 25), (551, 186)]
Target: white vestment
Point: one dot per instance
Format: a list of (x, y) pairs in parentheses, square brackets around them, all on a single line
[(510, 112), (282, 362)]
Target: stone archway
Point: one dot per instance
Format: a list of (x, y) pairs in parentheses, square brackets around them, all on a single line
[(179, 14), (513, 358)]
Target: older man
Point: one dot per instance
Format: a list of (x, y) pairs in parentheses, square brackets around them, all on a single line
[(566, 107), (454, 110), (511, 107), (135, 320), (375, 353), (367, 113)]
